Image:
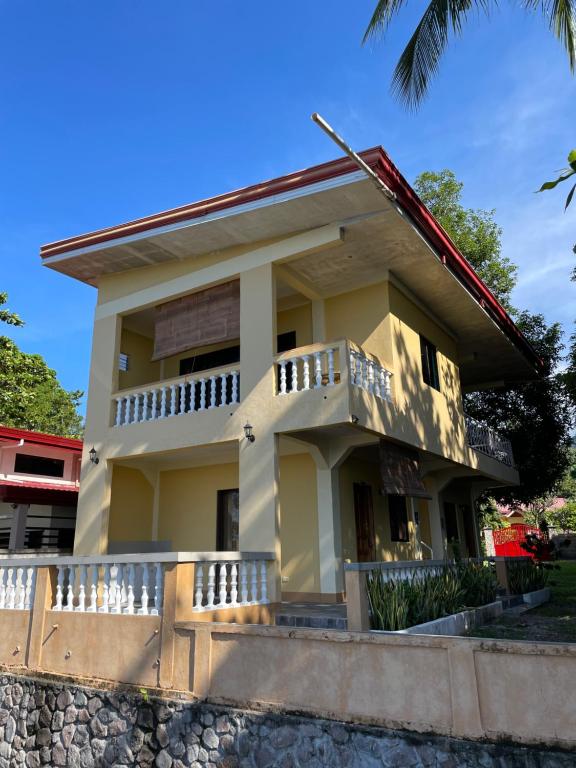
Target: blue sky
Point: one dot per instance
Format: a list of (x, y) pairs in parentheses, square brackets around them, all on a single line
[(113, 110)]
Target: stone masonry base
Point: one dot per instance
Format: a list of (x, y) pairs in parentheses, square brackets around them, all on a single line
[(47, 723)]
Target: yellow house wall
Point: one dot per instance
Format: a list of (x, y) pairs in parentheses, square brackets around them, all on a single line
[(356, 471), (140, 368), (131, 506), (298, 319)]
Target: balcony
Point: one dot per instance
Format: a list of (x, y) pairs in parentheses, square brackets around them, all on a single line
[(485, 440)]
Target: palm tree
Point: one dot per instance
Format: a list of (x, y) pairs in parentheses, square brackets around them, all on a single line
[(421, 57)]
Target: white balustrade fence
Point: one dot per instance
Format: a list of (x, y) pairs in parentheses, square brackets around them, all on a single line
[(369, 375), (17, 586), (484, 439), (188, 395), (309, 371), (408, 570), (224, 584)]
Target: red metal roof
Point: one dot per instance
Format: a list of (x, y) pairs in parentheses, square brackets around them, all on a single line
[(40, 438), (37, 484), (379, 161)]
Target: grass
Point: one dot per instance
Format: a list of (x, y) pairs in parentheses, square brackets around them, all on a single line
[(554, 621)]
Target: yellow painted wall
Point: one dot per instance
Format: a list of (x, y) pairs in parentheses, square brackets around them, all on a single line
[(188, 503), (425, 530), (298, 319), (299, 524), (131, 506), (356, 471), (140, 368)]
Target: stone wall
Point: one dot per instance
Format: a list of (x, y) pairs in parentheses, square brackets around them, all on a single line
[(43, 722)]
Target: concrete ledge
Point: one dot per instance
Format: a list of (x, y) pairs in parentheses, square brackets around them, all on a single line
[(538, 597), (457, 623)]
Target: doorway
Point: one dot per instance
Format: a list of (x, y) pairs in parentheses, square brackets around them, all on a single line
[(364, 517), (228, 521)]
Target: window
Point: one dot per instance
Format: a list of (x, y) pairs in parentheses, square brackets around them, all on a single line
[(451, 521), (398, 513), (208, 360), (429, 357), (227, 524), (286, 341), (27, 464)]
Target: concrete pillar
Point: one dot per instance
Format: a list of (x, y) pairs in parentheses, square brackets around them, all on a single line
[(318, 322), (329, 532), (18, 527), (258, 461), (436, 531), (94, 496)]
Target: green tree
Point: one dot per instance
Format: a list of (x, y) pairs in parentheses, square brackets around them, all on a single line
[(30, 395), (475, 232), (488, 514), (563, 518), (420, 60)]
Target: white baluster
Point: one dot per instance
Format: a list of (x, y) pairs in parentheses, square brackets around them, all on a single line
[(318, 370), (144, 598), (153, 414), (10, 590), (3, 575), (118, 421), (202, 395), (385, 384), (358, 370), (212, 392), (377, 391), (81, 607), (254, 582), (93, 607), (29, 590), (59, 588), (116, 597), (199, 584), (243, 583), (183, 398), (163, 403), (144, 416), (352, 367), (235, 387), (130, 596), (70, 591), (294, 382), (305, 371), (233, 584), (364, 373), (105, 607), (330, 367), (211, 586), (127, 410), (263, 582), (283, 388), (173, 401), (370, 376), (223, 390), (222, 593), (20, 597), (157, 610)]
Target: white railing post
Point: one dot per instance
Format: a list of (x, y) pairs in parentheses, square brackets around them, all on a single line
[(294, 377), (158, 586), (234, 387), (202, 395), (93, 606), (143, 610), (154, 404), (317, 370), (183, 398), (222, 592), (130, 593), (11, 590), (223, 388), (212, 392), (106, 596), (163, 403), (199, 587), (211, 586), (254, 582), (352, 367), (233, 584), (30, 586), (126, 410), (70, 591), (243, 583), (263, 582), (20, 593), (283, 385), (305, 371), (3, 576), (118, 420), (173, 400), (59, 588), (331, 367), (81, 607)]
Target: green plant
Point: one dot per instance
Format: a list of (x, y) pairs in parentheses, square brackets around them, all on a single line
[(526, 576), (479, 583), (566, 174)]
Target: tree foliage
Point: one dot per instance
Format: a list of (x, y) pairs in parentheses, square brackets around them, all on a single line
[(420, 60), (568, 173), (474, 232), (30, 395)]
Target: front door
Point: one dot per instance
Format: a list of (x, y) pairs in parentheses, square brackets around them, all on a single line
[(228, 519), (364, 515)]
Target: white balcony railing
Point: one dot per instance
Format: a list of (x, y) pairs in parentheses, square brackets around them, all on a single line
[(409, 570), (133, 584), (484, 439), (188, 394), (320, 366)]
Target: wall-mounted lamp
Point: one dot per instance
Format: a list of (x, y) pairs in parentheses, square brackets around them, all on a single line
[(355, 419), (93, 455), (248, 432)]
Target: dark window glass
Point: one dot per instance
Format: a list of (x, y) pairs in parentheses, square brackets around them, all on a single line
[(38, 465), (398, 513), (227, 527), (429, 357), (286, 341), (451, 521), (209, 360)]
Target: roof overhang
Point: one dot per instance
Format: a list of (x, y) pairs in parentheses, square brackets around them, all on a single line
[(11, 435), (312, 198)]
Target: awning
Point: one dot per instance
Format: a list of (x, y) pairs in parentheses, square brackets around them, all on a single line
[(400, 471), (37, 492)]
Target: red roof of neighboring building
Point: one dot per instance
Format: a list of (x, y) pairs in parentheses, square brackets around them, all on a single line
[(383, 166), (42, 486), (40, 438)]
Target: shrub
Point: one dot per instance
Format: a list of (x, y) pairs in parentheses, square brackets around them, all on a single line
[(526, 576)]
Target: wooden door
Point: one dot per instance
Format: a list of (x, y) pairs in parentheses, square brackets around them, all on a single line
[(364, 515)]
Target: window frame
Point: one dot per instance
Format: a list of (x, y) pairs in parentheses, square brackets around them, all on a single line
[(48, 459), (396, 524), (429, 363)]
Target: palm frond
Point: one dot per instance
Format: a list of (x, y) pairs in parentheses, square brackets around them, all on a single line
[(421, 57), (381, 18), (561, 16)]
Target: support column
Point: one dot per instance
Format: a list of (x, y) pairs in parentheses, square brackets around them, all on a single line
[(94, 496), (329, 532), (436, 531), (258, 461), (18, 527), (318, 322)]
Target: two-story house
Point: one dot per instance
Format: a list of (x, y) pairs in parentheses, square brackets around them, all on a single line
[(281, 369)]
